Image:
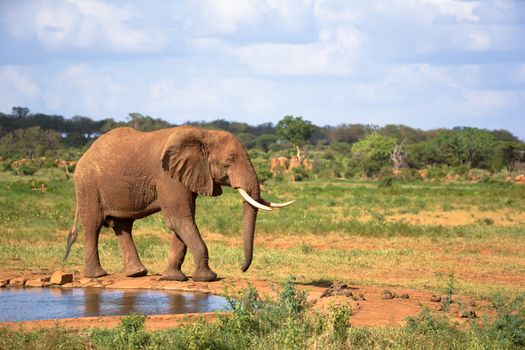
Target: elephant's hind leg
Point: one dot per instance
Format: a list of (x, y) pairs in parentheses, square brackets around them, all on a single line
[(176, 258), (92, 267), (132, 265)]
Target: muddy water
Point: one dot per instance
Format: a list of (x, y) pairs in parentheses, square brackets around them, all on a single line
[(18, 304)]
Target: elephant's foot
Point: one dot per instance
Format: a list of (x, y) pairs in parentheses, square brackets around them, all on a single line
[(203, 275), (94, 272), (174, 275), (136, 272)]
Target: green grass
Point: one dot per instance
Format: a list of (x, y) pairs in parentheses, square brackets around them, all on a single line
[(34, 225), (332, 206)]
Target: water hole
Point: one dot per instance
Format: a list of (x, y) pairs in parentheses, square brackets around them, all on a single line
[(26, 304)]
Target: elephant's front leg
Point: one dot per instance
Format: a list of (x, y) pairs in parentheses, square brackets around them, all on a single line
[(177, 205), (190, 235), (175, 259), (132, 265)]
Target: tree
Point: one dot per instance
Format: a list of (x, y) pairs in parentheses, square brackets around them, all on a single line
[(397, 155), (146, 123), (402, 132), (264, 141), (350, 133), (29, 143), (295, 130), (468, 146), (507, 154), (20, 112), (504, 135), (372, 153), (248, 140)]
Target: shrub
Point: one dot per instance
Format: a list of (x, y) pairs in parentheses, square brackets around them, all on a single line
[(5, 166), (479, 175), (409, 174), (24, 167), (437, 172), (509, 326), (372, 153), (386, 181), (300, 173), (339, 321), (462, 170), (426, 322), (130, 334), (326, 168)]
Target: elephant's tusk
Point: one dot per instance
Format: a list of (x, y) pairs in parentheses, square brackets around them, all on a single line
[(281, 205), (252, 201)]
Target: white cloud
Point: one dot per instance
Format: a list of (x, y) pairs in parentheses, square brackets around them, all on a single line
[(20, 79), (17, 87), (211, 97), (520, 73), (335, 53), (61, 25), (493, 99), (166, 94), (324, 59), (228, 16), (461, 10), (83, 90)]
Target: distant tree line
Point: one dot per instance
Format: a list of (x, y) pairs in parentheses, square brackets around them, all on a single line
[(368, 148)]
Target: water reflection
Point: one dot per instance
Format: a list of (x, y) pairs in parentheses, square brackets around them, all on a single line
[(91, 303), (47, 303)]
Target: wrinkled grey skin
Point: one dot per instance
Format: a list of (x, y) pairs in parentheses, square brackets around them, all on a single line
[(127, 175)]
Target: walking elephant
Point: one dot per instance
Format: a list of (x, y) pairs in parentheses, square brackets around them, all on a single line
[(127, 175)]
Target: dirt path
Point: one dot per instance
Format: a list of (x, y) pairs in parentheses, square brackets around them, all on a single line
[(370, 308)]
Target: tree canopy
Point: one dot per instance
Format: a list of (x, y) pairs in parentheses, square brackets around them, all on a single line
[(295, 130), (366, 147), (373, 152), (468, 146)]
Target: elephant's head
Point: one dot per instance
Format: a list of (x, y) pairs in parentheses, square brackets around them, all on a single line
[(206, 160)]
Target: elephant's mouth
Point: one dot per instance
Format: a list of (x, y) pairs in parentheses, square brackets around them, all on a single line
[(269, 206)]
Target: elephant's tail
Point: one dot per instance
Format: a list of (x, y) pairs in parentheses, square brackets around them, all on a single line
[(73, 234)]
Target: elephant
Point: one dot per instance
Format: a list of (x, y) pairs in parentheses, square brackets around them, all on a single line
[(127, 175)]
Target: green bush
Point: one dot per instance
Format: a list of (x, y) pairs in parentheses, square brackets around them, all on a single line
[(437, 172), (386, 181), (5, 166), (130, 334), (509, 326), (461, 170), (408, 174), (300, 173), (339, 321), (327, 168), (25, 168)]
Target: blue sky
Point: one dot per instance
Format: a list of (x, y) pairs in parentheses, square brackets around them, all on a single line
[(423, 63)]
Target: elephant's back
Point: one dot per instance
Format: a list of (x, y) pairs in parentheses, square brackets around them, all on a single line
[(118, 151), (121, 167)]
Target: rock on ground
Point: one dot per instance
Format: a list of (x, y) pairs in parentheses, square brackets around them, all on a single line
[(18, 282), (341, 289), (60, 278)]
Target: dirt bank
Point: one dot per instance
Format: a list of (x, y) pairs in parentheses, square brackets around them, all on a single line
[(371, 305)]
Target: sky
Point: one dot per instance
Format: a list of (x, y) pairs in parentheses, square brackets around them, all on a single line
[(423, 63)]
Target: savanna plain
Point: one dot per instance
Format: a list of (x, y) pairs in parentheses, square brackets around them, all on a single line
[(461, 241)]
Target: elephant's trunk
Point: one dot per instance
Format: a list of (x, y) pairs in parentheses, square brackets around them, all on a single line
[(248, 182), (248, 233)]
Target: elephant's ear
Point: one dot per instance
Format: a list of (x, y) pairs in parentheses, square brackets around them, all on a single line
[(185, 158)]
